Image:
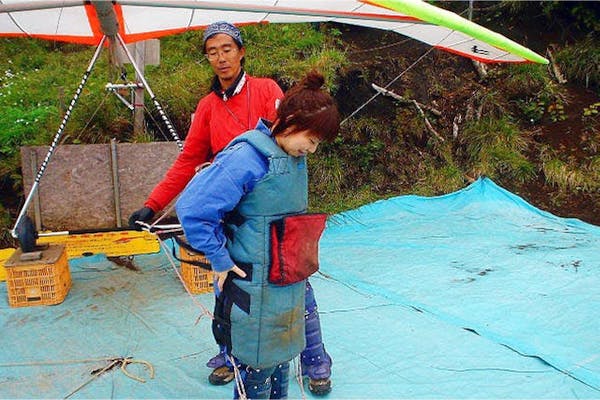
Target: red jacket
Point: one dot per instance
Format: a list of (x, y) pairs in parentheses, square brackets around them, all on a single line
[(216, 122)]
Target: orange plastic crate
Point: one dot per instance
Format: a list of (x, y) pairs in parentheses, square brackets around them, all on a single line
[(44, 281), (197, 279)]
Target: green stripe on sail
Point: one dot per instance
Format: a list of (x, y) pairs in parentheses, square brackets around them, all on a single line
[(448, 19)]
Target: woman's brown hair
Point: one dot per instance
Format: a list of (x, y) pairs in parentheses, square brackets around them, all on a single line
[(308, 106)]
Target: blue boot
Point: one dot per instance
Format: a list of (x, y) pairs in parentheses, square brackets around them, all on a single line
[(316, 363), (222, 372), (265, 383), (219, 360)]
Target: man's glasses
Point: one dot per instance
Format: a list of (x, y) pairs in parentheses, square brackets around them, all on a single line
[(226, 51)]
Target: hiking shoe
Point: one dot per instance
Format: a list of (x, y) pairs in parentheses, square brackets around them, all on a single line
[(221, 376), (319, 387)]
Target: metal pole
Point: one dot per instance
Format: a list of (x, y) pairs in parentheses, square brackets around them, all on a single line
[(138, 93), (140, 75), (57, 136), (116, 183), (37, 5), (471, 10), (37, 209)]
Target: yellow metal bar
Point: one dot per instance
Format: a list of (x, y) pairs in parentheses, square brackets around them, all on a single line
[(112, 244)]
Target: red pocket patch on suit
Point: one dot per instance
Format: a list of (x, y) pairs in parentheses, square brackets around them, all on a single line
[(295, 247)]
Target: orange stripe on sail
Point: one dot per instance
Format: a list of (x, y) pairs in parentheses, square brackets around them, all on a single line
[(136, 37), (119, 13), (88, 40), (407, 18)]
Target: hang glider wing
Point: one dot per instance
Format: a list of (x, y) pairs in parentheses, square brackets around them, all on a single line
[(86, 22)]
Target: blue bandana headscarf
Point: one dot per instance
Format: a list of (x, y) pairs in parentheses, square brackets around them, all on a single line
[(222, 27)]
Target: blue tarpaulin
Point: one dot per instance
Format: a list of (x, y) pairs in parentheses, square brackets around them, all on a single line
[(475, 294)]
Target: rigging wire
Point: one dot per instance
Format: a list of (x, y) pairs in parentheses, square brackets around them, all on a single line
[(387, 86), (429, 50), (387, 46), (157, 125), (93, 115)]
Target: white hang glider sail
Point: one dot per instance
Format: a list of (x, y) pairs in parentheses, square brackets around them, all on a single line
[(88, 21)]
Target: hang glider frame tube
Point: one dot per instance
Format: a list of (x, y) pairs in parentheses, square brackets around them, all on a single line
[(114, 87), (37, 5), (57, 137), (67, 115), (157, 105), (262, 8)]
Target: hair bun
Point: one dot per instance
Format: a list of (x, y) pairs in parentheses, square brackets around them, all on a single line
[(313, 80), (308, 106)]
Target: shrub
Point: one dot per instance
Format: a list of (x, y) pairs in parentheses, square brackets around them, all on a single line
[(494, 148)]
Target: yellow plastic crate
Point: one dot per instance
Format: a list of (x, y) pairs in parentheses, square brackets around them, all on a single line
[(41, 281), (197, 279)]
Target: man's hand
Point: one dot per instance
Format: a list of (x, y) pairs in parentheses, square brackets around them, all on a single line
[(144, 214), (221, 276)]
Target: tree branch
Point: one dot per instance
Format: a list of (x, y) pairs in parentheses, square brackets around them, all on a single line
[(417, 105), (555, 70), (404, 100)]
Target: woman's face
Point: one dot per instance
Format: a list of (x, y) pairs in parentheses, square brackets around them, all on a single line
[(298, 143)]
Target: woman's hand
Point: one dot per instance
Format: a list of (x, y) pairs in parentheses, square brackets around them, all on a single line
[(221, 276)]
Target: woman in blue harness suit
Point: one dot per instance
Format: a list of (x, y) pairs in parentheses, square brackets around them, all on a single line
[(227, 211)]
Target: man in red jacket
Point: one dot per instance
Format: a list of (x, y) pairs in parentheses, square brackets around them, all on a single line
[(236, 102), (234, 106)]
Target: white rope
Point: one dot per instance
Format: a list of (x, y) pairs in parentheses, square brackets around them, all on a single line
[(113, 361), (205, 311), (169, 209), (239, 382), (298, 375), (164, 214), (58, 362)]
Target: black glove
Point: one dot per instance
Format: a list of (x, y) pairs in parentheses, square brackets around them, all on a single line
[(144, 214)]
